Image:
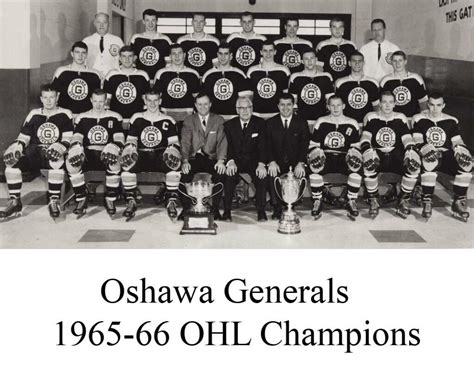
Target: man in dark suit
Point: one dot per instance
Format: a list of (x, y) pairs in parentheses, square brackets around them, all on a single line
[(287, 146), (203, 147), (245, 154)]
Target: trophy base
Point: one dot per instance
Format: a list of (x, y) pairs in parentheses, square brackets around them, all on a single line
[(289, 224), (195, 224)]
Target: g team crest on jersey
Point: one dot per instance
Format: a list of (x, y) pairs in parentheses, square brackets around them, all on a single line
[(245, 55), (358, 98), (338, 61), (436, 136), (177, 88), (149, 56), (78, 89), (98, 135), (291, 58), (48, 133), (402, 95), (266, 87), (223, 89), (334, 140), (311, 94), (385, 137), (151, 136), (126, 93), (196, 57)]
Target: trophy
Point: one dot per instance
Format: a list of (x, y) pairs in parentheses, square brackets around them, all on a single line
[(290, 187), (199, 219)]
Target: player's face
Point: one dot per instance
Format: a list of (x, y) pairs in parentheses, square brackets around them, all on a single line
[(127, 58), (152, 102), (378, 32), (336, 107), (49, 99), (337, 29), (101, 24), (150, 22), (268, 53), (399, 63), (357, 63), (436, 106), (286, 107), (98, 102), (244, 110), (291, 28), (177, 56), (79, 55), (309, 61), (247, 23), (387, 103), (203, 105), (224, 56), (198, 23)]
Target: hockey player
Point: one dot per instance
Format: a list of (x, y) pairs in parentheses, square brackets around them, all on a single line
[(290, 48), (246, 45), (335, 51), (387, 146), (334, 148), (311, 89), (151, 48), (442, 149), (152, 146), (126, 86), (224, 84), (41, 144), (96, 145), (268, 81), (200, 48), (359, 92), (75, 82)]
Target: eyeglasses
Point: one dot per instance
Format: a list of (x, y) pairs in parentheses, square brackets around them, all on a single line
[(244, 107)]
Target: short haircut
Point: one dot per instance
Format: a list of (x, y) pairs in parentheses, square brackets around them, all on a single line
[(357, 53), (245, 14), (287, 96), (400, 53), (48, 87), (436, 95), (175, 46), (386, 93), (152, 92), (306, 49), (201, 95), (80, 45), (149, 12), (337, 19), (126, 48), (378, 21), (244, 98), (199, 14), (224, 45), (102, 14), (335, 97), (99, 92), (292, 19), (268, 43)]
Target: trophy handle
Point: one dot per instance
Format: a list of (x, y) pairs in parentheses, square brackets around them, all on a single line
[(205, 199), (277, 179), (193, 199), (304, 182)]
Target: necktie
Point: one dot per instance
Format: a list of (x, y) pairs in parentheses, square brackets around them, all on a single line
[(101, 45), (379, 53), (204, 124), (286, 124), (245, 126)]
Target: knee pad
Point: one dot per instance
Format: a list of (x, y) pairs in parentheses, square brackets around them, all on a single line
[(354, 179), (315, 180), (114, 168), (73, 170), (172, 180), (462, 179), (13, 175), (428, 178)]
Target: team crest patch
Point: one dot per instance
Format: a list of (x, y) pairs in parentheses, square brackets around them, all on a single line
[(245, 55), (334, 140), (338, 61), (98, 135), (311, 94), (196, 57), (385, 137), (78, 89), (388, 58), (266, 87), (48, 133), (151, 136), (358, 98), (402, 95), (223, 89), (291, 58), (436, 136), (126, 93), (177, 88), (149, 56)]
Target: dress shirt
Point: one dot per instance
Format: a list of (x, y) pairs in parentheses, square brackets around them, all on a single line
[(373, 67), (102, 62)]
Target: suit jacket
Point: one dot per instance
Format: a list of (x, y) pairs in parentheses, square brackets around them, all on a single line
[(246, 145), (213, 142), (293, 142)]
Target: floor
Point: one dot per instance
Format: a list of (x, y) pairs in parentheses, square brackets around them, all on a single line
[(151, 228)]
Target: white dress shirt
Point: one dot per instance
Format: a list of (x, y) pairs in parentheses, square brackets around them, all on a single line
[(105, 61), (373, 67)]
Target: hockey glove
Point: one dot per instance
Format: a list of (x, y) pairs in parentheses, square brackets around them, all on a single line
[(172, 158), (129, 156), (55, 151), (463, 157), (316, 160), (110, 154), (13, 153), (76, 155), (371, 160), (354, 159), (412, 161)]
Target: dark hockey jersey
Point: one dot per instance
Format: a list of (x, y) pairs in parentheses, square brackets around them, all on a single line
[(97, 131), (290, 53), (441, 133), (335, 135), (148, 134), (335, 57), (152, 54), (199, 53), (246, 51)]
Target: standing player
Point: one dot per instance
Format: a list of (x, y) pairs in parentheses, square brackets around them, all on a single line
[(224, 84), (126, 86), (359, 92), (200, 48), (442, 149), (152, 146), (387, 146), (246, 45), (311, 89), (268, 81), (334, 148), (290, 48), (335, 51), (151, 48), (96, 145), (41, 144), (75, 82)]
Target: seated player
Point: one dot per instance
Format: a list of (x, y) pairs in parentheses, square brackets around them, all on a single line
[(441, 147), (388, 146), (41, 144), (152, 146), (334, 148), (96, 145)]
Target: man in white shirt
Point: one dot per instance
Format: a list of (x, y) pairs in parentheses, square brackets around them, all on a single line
[(103, 47), (378, 52)]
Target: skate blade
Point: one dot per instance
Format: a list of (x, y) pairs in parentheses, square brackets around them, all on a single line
[(316, 217), (460, 217), (351, 217), (79, 216), (402, 215), (16, 214), (128, 219)]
